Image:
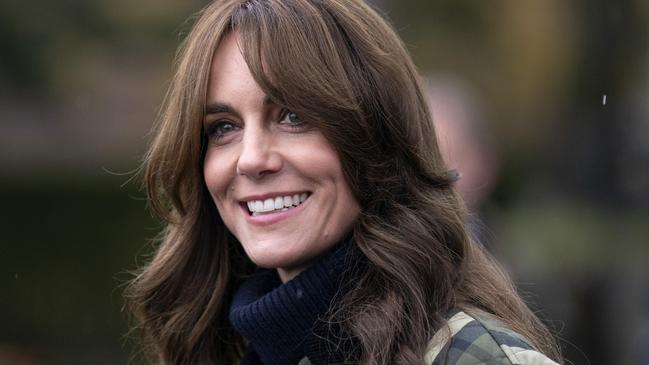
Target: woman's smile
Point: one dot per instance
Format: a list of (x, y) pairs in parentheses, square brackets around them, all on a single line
[(263, 212), (280, 203), (276, 181)]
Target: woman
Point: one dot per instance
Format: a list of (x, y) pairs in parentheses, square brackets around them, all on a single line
[(309, 215)]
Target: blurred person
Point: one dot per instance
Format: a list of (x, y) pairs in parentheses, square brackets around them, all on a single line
[(465, 145), (309, 215), (464, 142)]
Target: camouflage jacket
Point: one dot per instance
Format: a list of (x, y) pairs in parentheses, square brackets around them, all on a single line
[(468, 340), (471, 341)]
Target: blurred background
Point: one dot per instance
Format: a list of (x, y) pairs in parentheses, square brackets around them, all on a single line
[(543, 106)]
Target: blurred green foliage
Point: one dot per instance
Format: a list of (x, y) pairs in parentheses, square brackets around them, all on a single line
[(65, 258), (40, 38)]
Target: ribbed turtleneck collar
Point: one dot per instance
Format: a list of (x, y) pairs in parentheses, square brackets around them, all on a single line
[(279, 320)]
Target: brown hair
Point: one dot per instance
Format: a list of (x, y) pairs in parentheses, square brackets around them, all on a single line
[(341, 67)]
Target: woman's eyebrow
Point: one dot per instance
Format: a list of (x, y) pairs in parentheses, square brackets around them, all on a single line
[(217, 108)]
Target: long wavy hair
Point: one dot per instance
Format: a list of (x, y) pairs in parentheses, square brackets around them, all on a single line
[(342, 68)]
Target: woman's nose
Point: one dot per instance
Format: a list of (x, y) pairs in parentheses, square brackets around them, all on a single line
[(258, 156)]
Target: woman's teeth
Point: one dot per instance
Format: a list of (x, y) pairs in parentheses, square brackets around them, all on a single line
[(273, 205)]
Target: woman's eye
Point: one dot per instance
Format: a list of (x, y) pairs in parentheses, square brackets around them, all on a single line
[(219, 129), (291, 119)]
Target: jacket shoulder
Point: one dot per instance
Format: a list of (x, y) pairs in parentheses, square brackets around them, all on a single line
[(473, 340)]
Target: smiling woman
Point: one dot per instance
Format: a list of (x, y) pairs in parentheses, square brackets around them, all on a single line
[(310, 218), (276, 181)]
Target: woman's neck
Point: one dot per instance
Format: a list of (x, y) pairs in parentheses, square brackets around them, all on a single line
[(289, 274)]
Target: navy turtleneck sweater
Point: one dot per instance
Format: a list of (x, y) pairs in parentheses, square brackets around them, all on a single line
[(287, 322)]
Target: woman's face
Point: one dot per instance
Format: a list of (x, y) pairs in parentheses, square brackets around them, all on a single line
[(276, 181)]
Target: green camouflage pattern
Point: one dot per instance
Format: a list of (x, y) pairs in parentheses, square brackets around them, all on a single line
[(481, 340), (469, 340)]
